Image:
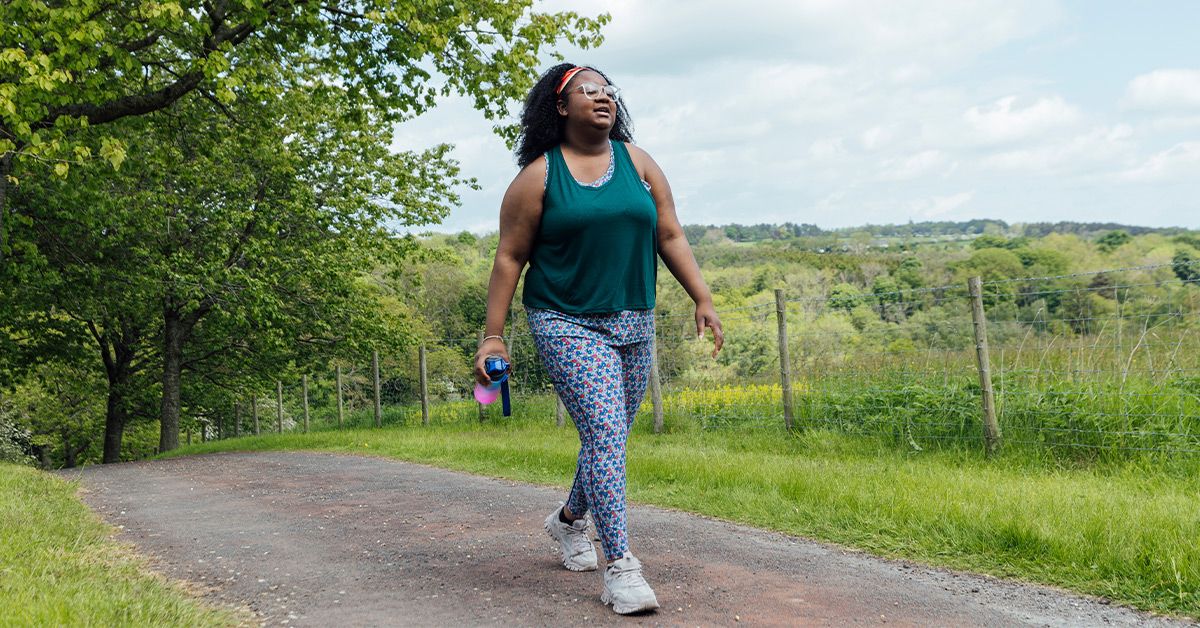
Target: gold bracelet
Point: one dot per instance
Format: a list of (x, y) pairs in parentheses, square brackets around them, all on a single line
[(486, 338)]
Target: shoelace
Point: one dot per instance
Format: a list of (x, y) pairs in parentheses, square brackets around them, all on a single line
[(629, 575), (579, 540)]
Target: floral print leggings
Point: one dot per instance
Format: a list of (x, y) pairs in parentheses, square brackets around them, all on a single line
[(600, 365)]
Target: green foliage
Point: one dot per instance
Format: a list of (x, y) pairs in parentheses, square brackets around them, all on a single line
[(246, 190), (885, 289), (15, 441), (1113, 240), (910, 273), (1188, 239), (694, 233), (763, 231), (1042, 261), (98, 62), (844, 296), (989, 241), (992, 264), (1186, 267), (61, 408)]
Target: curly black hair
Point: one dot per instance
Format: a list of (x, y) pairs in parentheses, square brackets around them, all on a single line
[(542, 127)]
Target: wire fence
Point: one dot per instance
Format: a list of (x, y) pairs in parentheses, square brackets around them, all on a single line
[(1084, 365)]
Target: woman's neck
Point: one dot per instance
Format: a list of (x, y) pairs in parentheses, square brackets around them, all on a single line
[(586, 141)]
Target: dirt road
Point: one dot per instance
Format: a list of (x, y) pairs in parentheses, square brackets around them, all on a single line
[(307, 539)]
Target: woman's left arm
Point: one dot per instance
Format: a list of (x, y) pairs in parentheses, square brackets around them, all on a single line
[(674, 249)]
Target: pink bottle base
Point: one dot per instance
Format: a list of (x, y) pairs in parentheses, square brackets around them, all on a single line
[(486, 395)]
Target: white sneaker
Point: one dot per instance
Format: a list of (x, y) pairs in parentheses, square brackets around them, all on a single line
[(578, 553), (625, 588)]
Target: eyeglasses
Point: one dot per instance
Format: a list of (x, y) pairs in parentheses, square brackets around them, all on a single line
[(592, 90)]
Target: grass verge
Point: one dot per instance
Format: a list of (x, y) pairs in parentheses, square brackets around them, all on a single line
[(58, 566), (1125, 532)]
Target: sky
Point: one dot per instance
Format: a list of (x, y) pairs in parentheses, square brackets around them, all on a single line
[(842, 113)]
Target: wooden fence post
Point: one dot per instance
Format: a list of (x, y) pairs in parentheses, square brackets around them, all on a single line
[(375, 378), (656, 386), (237, 419), (482, 408), (341, 410), (254, 411), (220, 427), (785, 363), (304, 384), (559, 411), (991, 430), (278, 407), (424, 386)]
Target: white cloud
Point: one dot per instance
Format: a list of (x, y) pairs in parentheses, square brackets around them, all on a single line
[(827, 148), (1180, 162), (1006, 121), (875, 138), (939, 206), (1095, 150), (914, 166), (671, 37), (1164, 89)]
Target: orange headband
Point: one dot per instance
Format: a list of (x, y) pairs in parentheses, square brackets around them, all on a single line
[(567, 77)]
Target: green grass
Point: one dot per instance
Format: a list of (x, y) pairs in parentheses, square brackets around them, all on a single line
[(1129, 532), (58, 566)]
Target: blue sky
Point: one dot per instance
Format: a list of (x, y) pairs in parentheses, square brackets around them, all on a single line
[(842, 113)]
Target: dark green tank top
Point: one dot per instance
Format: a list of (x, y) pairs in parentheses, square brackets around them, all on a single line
[(596, 248)]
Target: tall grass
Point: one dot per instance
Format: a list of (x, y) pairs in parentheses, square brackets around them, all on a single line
[(58, 566)]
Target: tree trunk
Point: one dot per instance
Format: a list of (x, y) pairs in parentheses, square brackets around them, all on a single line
[(117, 346), (69, 452), (114, 417), (42, 452), (173, 335), (5, 170)]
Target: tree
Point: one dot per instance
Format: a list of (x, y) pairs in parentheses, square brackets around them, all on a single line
[(909, 273), (91, 260), (989, 241), (68, 66), (844, 296), (315, 157), (58, 407), (993, 265), (1113, 240), (1186, 267), (888, 296)]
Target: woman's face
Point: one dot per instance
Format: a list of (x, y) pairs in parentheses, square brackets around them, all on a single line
[(599, 111)]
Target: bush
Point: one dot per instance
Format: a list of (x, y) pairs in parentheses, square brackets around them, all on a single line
[(14, 443)]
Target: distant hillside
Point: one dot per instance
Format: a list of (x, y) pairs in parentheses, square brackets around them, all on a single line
[(761, 232)]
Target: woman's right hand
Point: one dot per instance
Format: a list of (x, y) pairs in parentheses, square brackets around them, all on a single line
[(491, 346)]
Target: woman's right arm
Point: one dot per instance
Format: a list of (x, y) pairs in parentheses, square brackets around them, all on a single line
[(520, 216)]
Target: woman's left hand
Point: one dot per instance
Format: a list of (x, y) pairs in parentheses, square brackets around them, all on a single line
[(706, 316)]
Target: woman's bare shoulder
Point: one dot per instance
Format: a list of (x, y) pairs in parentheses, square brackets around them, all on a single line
[(531, 178)]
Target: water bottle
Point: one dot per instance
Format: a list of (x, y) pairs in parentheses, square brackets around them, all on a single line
[(496, 368)]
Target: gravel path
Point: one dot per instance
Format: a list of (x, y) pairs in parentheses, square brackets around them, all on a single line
[(309, 539)]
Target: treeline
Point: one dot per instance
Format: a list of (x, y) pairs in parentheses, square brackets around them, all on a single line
[(764, 231), (857, 302)]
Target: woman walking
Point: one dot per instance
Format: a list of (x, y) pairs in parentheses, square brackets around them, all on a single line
[(589, 212)]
